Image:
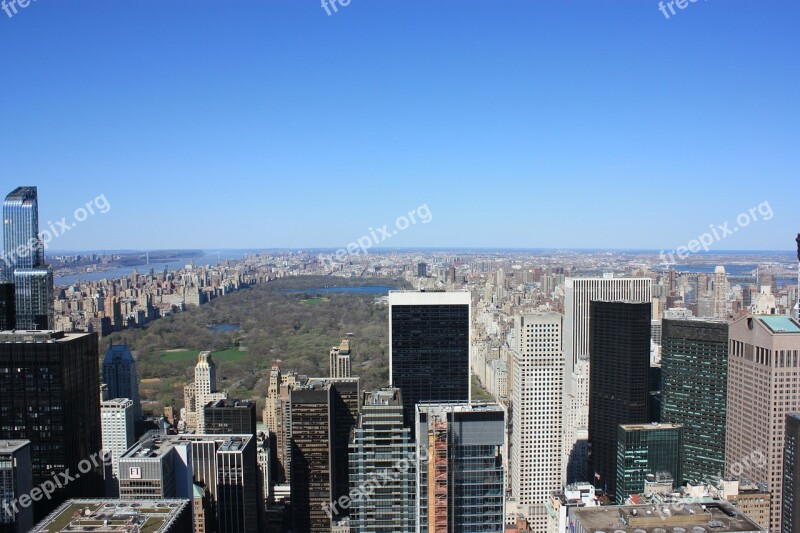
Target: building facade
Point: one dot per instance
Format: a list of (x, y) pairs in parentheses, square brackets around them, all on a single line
[(429, 347), (119, 374), (117, 426), (763, 369), (537, 403), (645, 450), (791, 475), (16, 480), (460, 472), (619, 382), (694, 394)]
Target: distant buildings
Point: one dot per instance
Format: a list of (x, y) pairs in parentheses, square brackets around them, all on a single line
[(50, 396), (578, 295), (429, 347), (16, 481), (460, 473), (763, 365), (620, 381), (119, 374), (648, 451), (382, 452), (694, 364), (536, 439)]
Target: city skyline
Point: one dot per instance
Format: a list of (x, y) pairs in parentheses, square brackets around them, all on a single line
[(500, 117)]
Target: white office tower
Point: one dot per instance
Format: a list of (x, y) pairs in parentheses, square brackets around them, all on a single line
[(205, 387), (720, 293), (116, 419), (578, 293), (536, 438)]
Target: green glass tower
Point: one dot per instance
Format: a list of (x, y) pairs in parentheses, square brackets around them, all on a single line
[(647, 449), (694, 365)]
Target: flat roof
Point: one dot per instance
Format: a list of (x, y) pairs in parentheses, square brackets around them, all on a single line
[(779, 323), (11, 446), (113, 516), (653, 425), (709, 517), (154, 444)]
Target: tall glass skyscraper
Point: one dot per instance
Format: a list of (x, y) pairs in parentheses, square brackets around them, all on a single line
[(429, 347), (694, 371), (645, 449), (382, 453), (460, 472), (23, 260)]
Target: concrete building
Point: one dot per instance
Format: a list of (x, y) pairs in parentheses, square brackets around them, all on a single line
[(578, 294), (202, 391), (460, 473), (340, 360), (429, 346), (560, 502), (537, 433), (116, 420), (16, 482), (111, 516), (720, 297), (382, 446), (763, 368), (230, 417)]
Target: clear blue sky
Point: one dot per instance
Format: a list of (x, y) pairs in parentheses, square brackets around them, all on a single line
[(262, 123)]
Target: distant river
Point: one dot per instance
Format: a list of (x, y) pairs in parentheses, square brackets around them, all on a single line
[(144, 269)]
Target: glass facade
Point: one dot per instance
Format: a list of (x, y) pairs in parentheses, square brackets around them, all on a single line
[(694, 366), (430, 353), (22, 246), (460, 473), (34, 298), (382, 455), (619, 382), (644, 450), (790, 513)]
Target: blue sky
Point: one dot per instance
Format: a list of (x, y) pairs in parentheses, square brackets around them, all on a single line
[(244, 123)]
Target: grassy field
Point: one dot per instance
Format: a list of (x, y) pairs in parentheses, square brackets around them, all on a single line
[(315, 300), (191, 355)]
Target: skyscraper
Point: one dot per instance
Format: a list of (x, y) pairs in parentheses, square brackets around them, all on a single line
[(429, 347), (647, 449), (340, 360), (119, 373), (311, 462), (381, 445), (694, 371), (537, 402), (16, 480), (460, 473), (205, 387), (230, 417), (50, 396), (763, 368), (619, 381), (23, 260), (720, 293), (791, 475), (578, 294), (116, 418)]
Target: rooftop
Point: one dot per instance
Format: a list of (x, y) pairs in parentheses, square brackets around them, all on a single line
[(113, 516), (11, 446), (780, 323), (714, 517), (43, 335), (154, 444), (651, 426)]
